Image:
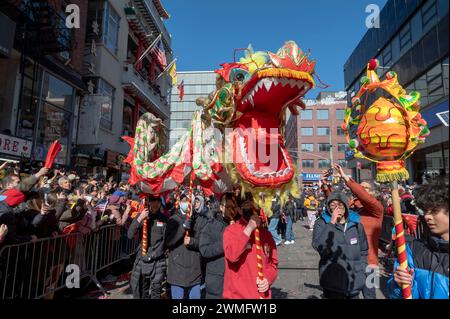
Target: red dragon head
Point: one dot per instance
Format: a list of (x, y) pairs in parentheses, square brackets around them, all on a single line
[(266, 85)]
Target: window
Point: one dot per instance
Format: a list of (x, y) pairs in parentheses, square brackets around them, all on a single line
[(323, 131), (308, 163), (324, 163), (405, 38), (322, 114), (429, 15), (445, 75), (343, 163), (340, 114), (340, 131), (106, 112), (416, 28), (127, 119), (307, 131), (306, 114), (386, 58), (342, 147), (324, 147), (435, 84), (57, 92), (307, 147), (111, 28)]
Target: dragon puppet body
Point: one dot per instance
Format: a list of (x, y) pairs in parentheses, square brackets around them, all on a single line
[(237, 135)]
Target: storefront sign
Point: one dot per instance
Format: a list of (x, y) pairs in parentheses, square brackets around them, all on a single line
[(313, 177), (15, 146), (430, 114)]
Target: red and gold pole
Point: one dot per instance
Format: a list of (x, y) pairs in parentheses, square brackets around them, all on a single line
[(400, 237), (259, 260), (189, 210), (144, 231)]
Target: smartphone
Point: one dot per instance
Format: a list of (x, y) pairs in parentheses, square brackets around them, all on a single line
[(330, 171)]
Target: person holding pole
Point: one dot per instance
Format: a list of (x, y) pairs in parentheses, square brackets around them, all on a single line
[(149, 269), (251, 263), (428, 257)]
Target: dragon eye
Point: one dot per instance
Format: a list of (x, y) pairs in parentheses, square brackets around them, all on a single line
[(240, 77)]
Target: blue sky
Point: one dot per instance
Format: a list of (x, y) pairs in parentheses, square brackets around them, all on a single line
[(206, 32)]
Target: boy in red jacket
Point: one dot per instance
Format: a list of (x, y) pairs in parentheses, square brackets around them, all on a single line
[(241, 272)]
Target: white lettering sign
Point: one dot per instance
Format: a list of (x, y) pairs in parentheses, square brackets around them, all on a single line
[(15, 146)]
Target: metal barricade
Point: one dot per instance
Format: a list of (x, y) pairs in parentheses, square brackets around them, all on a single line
[(38, 269)]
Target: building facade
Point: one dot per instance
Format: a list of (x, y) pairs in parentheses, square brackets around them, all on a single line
[(120, 86), (315, 137), (412, 41), (40, 78), (196, 84)]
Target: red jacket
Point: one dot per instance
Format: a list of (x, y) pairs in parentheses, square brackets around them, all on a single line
[(240, 262), (371, 212)]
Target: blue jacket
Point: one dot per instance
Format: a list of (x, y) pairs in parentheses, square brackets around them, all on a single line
[(429, 259)]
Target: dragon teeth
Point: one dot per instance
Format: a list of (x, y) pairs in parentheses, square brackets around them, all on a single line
[(267, 84), (251, 100)]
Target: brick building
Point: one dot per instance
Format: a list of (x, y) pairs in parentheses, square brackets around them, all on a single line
[(308, 135)]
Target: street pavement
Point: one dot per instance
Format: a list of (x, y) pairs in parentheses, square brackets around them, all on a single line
[(298, 274)]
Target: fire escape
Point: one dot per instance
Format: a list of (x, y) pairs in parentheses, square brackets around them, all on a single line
[(41, 32)]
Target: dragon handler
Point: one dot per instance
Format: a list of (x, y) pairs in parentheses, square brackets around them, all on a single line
[(149, 270)]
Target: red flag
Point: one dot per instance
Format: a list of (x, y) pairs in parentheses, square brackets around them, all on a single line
[(181, 90), (55, 148)]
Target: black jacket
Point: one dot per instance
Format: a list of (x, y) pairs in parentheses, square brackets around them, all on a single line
[(211, 249), (276, 208), (153, 263), (184, 262), (343, 251), (12, 220), (289, 209)]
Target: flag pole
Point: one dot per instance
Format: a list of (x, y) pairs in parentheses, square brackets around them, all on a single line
[(165, 70), (148, 49)]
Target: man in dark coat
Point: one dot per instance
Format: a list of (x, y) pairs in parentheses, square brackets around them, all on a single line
[(149, 270), (340, 240), (211, 244), (274, 220), (184, 272)]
